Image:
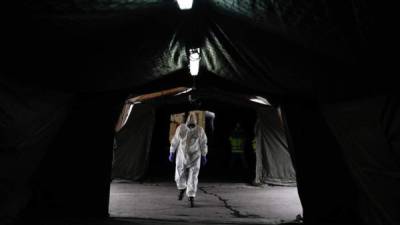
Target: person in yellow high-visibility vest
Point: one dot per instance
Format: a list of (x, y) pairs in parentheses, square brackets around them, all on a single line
[(254, 144), (237, 141)]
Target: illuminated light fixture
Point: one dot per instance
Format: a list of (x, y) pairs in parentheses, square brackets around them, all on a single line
[(194, 61), (185, 4), (260, 100)]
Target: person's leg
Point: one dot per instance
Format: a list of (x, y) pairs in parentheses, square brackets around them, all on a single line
[(233, 170), (192, 182), (180, 179), (247, 170), (244, 161), (232, 161)]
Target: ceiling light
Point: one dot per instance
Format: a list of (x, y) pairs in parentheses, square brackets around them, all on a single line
[(194, 61), (185, 4)]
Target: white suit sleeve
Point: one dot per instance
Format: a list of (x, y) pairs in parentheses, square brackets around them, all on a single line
[(175, 140), (203, 143)]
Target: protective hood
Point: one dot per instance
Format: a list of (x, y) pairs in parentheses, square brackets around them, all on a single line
[(192, 119)]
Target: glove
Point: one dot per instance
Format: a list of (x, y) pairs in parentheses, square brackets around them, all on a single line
[(171, 157), (203, 160)]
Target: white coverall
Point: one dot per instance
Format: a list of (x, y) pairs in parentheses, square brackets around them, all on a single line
[(191, 143)]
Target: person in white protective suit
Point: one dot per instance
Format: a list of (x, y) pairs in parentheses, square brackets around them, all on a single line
[(190, 143)]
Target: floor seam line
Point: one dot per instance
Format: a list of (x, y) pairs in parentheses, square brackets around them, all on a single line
[(234, 212)]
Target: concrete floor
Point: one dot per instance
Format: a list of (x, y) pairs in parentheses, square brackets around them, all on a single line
[(216, 203)]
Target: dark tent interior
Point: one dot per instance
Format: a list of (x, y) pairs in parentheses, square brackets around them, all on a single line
[(142, 143), (69, 65), (159, 145)]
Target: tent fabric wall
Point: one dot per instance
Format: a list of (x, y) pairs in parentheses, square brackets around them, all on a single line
[(234, 56), (93, 51), (273, 162), (47, 140), (73, 179), (131, 158), (29, 120), (368, 133), (326, 189), (123, 117), (350, 150)]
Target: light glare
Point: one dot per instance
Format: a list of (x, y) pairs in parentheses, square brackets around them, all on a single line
[(128, 114), (260, 100), (185, 4), (184, 92), (194, 61)]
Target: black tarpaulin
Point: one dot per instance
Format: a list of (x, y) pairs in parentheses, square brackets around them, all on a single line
[(111, 45), (73, 178), (131, 157), (273, 162), (231, 54), (326, 189), (307, 53), (93, 50), (368, 132), (350, 149), (29, 120)]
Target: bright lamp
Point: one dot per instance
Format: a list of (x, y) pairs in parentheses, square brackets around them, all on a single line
[(194, 61), (185, 4)]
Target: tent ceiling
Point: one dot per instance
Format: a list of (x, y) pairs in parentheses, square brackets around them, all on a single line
[(89, 5), (326, 26), (316, 24), (281, 48)]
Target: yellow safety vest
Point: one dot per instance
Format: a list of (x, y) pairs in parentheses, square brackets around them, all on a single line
[(237, 144)]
